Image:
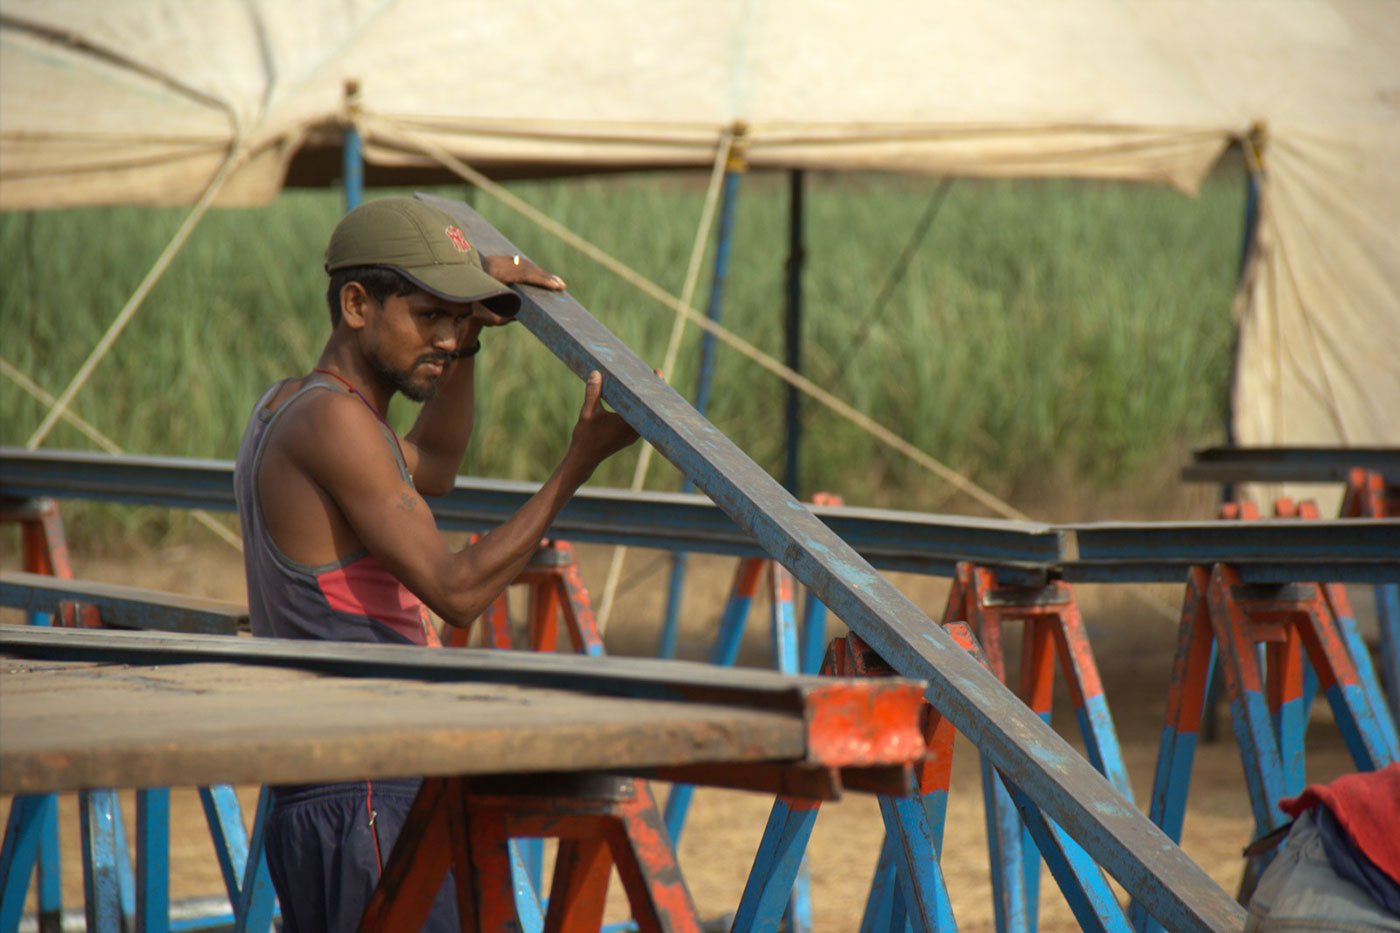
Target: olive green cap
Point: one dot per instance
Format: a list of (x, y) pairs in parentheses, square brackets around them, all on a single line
[(424, 245)]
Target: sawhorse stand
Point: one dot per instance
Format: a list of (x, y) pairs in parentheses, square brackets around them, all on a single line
[(113, 894), (1222, 617), (555, 587), (1051, 624), (600, 821), (908, 889), (468, 824)]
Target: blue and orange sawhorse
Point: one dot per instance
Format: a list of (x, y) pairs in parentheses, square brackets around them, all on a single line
[(908, 889), (795, 651), (1228, 622), (599, 821), (114, 894), (1051, 625)]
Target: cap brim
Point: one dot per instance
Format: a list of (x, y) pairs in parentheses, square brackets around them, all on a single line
[(464, 283)]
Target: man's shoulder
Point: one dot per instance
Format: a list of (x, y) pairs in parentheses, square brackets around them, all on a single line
[(316, 423)]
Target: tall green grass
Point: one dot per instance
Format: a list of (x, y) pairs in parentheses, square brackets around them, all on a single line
[(1046, 334)]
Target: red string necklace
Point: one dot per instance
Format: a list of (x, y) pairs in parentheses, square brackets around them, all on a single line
[(368, 404)]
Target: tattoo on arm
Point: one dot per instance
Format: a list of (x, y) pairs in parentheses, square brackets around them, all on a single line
[(407, 502)]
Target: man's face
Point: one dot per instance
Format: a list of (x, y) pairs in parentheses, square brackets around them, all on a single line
[(412, 339)]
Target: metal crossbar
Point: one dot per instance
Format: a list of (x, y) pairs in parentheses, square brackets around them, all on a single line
[(1028, 553)]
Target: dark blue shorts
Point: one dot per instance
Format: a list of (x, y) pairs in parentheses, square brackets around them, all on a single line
[(325, 855)]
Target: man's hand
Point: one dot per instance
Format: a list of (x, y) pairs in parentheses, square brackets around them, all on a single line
[(517, 270), (599, 433)]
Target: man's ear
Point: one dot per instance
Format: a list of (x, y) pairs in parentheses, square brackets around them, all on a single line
[(355, 303)]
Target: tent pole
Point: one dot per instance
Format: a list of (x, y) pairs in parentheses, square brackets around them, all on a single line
[(352, 150), (729, 197), (796, 257)]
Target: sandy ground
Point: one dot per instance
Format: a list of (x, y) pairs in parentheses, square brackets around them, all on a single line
[(1133, 644)]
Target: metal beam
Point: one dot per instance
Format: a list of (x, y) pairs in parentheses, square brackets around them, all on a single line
[(1289, 464), (1023, 553), (900, 541), (1120, 838)]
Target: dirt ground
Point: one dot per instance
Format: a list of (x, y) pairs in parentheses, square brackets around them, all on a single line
[(1132, 641)]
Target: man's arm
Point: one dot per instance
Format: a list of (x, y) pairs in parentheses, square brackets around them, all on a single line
[(438, 439), (345, 454)]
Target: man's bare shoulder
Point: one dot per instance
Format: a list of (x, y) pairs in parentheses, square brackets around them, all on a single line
[(329, 427)]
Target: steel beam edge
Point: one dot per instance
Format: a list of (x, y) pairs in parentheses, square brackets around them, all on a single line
[(123, 606), (1148, 864), (1288, 464)]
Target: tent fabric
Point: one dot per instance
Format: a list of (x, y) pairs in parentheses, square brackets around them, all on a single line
[(142, 101)]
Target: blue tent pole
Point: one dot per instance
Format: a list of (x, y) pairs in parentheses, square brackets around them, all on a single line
[(352, 152), (729, 197), (796, 256)]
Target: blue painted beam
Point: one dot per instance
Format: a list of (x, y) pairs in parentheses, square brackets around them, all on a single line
[(893, 540), (1068, 790), (1023, 553)]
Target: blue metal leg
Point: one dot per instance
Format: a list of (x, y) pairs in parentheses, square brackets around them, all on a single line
[(24, 832), (1004, 851), (676, 809), (527, 899), (736, 612), (675, 592), (256, 904), (879, 904), (1192, 671), (1249, 708), (813, 634), (1361, 659), (1083, 884), (782, 614), (50, 871), (153, 860), (1351, 706), (225, 820), (102, 882), (531, 853), (766, 894), (1388, 617), (920, 878)]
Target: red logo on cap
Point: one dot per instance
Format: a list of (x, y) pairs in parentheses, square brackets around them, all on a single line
[(459, 239)]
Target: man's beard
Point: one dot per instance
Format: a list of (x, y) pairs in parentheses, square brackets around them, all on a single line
[(403, 381)]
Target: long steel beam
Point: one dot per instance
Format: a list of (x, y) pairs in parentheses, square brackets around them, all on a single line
[(901, 541), (1341, 550), (1289, 464), (1061, 782)]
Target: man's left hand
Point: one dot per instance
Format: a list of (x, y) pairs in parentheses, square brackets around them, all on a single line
[(517, 270)]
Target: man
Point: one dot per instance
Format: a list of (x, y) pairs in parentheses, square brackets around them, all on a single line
[(339, 543)]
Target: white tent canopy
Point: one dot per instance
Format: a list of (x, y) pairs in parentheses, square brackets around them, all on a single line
[(143, 101)]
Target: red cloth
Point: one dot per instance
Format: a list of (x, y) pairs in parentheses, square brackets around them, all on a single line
[(1367, 805)]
